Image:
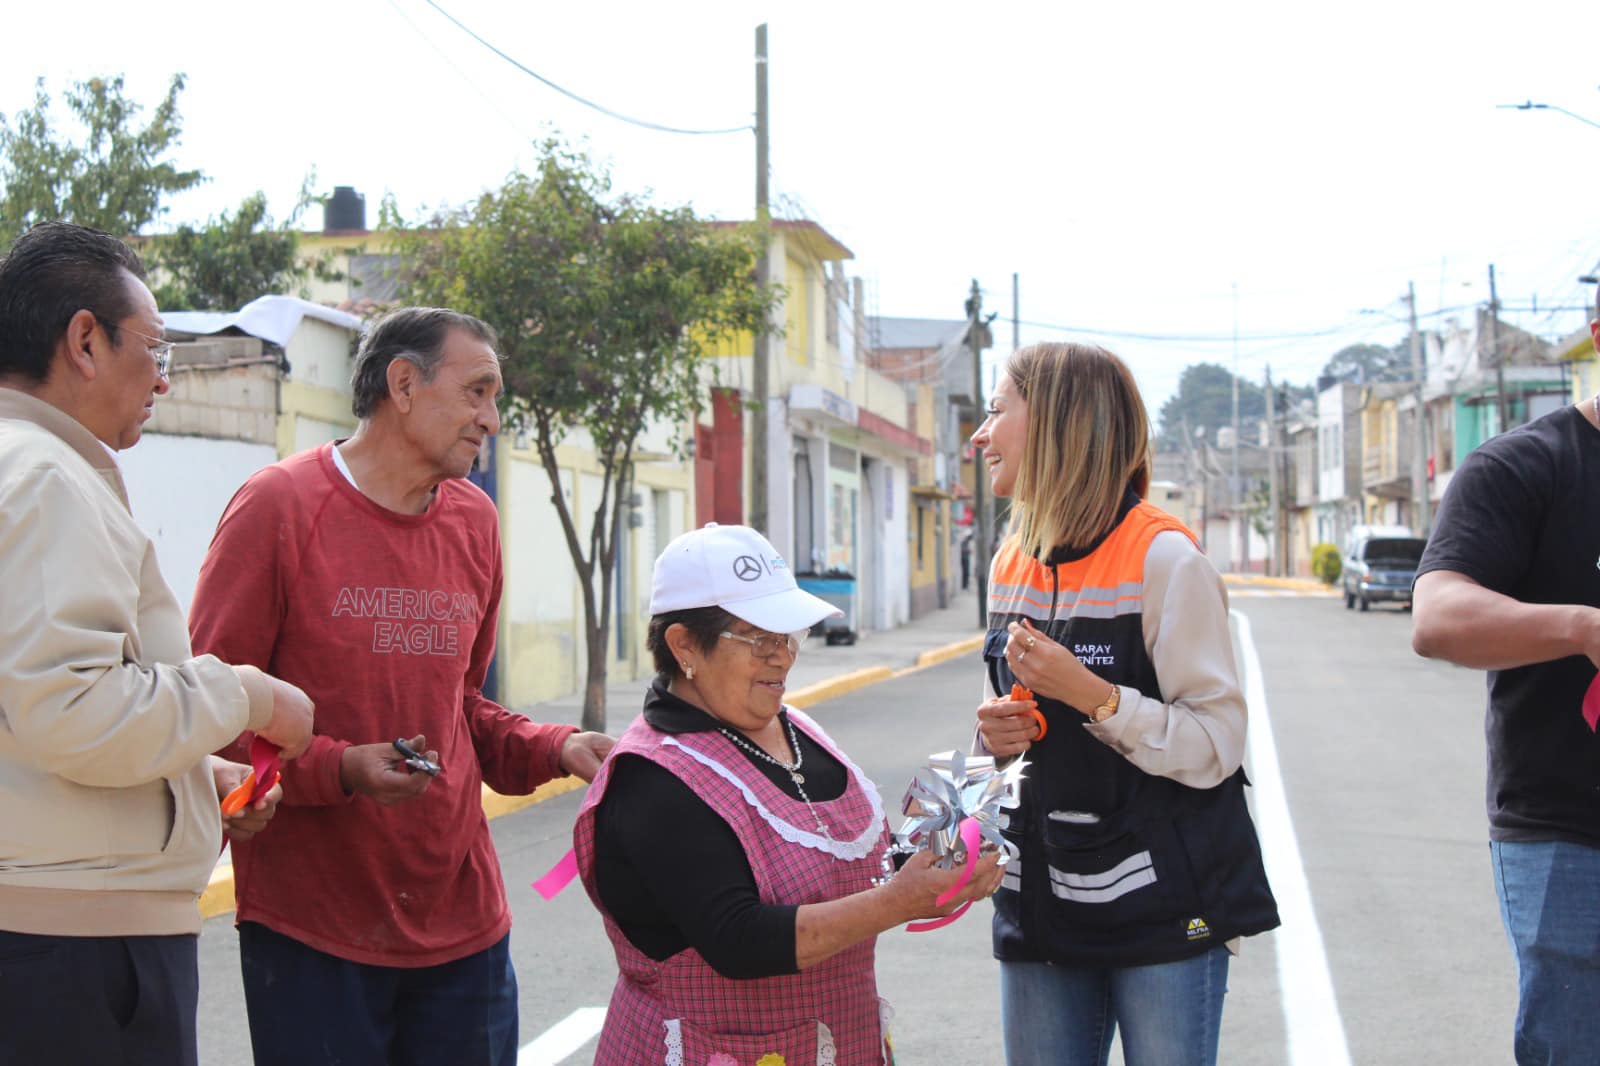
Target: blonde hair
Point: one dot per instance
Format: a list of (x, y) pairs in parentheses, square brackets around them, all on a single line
[(1088, 442)]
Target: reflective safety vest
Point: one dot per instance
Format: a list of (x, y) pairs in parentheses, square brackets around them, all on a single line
[(1119, 867)]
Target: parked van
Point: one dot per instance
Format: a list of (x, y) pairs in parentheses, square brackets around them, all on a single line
[(1380, 565)]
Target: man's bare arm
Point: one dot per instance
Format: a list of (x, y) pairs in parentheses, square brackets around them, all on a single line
[(1460, 621)]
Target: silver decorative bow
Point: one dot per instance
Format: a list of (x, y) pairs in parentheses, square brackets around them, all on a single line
[(951, 789)]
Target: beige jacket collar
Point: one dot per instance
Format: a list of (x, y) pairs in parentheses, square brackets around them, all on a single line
[(16, 404)]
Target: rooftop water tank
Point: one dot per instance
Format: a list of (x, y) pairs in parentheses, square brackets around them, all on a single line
[(346, 209)]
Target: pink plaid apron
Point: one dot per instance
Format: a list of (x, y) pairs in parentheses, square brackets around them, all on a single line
[(681, 1012)]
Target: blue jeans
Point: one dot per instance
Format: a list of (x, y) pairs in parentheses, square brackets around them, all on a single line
[(1547, 895), (310, 1008), (1170, 1014)]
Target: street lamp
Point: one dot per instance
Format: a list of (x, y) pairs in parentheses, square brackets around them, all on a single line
[(1529, 105)]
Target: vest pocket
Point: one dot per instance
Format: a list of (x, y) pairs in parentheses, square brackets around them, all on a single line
[(1113, 871), (807, 1044)]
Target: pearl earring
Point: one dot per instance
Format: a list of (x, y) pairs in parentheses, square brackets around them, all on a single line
[(688, 671)]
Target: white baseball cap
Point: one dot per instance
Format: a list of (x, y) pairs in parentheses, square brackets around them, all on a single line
[(737, 569)]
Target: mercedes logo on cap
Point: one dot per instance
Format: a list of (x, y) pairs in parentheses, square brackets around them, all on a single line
[(748, 568)]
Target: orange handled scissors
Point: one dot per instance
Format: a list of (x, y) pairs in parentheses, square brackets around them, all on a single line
[(1023, 695), (265, 767)]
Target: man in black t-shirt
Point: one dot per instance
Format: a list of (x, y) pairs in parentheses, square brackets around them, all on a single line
[(1510, 583)]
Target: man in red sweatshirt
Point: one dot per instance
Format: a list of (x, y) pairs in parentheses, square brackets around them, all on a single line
[(373, 924)]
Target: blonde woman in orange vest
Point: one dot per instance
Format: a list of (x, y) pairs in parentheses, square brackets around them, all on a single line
[(1140, 867)]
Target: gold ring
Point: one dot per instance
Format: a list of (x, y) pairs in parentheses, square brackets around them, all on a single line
[(1032, 641)]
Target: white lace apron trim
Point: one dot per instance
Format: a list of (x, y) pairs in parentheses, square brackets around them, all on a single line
[(859, 848)]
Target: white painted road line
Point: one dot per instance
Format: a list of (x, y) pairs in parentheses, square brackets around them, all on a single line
[(559, 1041), (1310, 1008)]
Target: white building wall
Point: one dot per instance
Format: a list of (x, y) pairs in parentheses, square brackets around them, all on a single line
[(540, 582), (893, 530), (319, 354), (311, 432), (178, 488)]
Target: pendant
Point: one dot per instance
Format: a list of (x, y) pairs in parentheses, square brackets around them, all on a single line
[(799, 778)]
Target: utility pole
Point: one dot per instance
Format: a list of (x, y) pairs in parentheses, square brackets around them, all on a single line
[(762, 355), (1494, 346), (981, 549), (1234, 492), (1016, 314), (1420, 449), (1196, 468), (1275, 542)]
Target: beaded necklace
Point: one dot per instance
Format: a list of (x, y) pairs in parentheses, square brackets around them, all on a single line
[(792, 769)]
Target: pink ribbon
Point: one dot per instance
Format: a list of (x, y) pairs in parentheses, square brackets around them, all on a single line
[(1591, 704), (971, 837), (559, 877)]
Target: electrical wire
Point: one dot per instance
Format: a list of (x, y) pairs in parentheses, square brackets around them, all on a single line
[(1182, 338), (642, 123), (440, 52)]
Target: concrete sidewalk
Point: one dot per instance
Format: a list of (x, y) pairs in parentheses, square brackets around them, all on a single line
[(1293, 584)]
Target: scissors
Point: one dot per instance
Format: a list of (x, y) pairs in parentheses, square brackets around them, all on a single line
[(265, 767), (1019, 694), (415, 759)]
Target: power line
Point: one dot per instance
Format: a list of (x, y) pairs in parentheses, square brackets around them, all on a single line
[(574, 96), (440, 52), (1182, 338)]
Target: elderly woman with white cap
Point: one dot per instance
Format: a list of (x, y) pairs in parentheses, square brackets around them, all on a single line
[(735, 853)]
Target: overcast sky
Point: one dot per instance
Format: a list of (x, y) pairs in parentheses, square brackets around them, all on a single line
[(1137, 164)]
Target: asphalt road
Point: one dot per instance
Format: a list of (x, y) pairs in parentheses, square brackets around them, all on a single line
[(1381, 764)]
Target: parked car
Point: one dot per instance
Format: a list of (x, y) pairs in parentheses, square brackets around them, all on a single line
[(1380, 566)]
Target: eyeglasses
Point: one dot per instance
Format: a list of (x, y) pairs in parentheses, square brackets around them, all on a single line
[(160, 350), (767, 644)]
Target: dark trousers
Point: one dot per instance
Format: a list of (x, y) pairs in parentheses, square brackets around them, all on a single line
[(309, 1008), (106, 1000)]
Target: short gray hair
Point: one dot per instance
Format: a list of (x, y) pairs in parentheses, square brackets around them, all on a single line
[(415, 334)]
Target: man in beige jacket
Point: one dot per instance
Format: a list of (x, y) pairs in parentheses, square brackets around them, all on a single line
[(109, 821)]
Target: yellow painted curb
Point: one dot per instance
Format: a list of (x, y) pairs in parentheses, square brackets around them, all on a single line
[(218, 896), (1302, 584), (935, 656), (495, 805), (837, 686)]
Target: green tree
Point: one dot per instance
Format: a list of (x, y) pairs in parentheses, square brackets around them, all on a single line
[(111, 174), (234, 258), (1204, 400), (605, 307), (1368, 364)]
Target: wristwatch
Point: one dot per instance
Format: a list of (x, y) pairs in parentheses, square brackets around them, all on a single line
[(1109, 707)]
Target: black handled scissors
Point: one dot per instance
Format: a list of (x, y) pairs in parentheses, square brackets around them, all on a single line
[(416, 760)]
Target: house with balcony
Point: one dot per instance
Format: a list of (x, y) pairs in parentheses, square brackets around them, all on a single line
[(1489, 376), (843, 447), (933, 356), (1340, 457), (1388, 441)]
